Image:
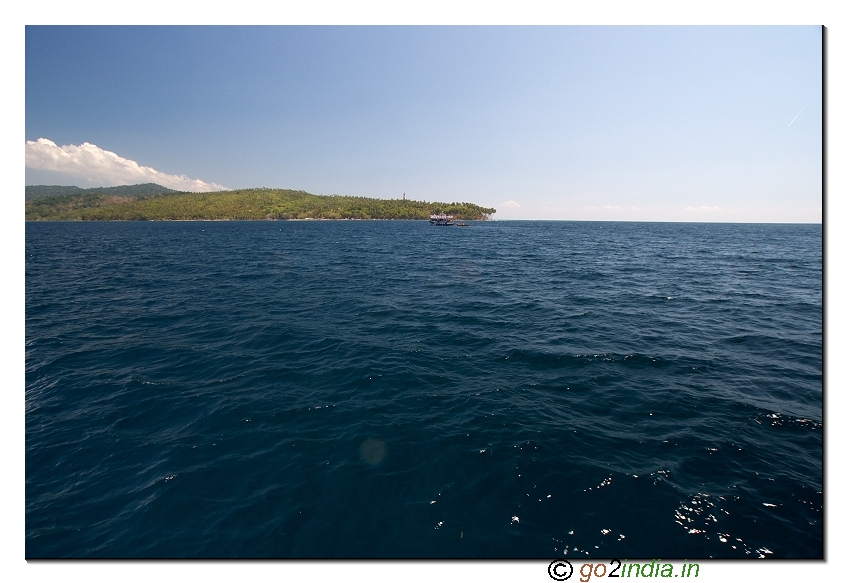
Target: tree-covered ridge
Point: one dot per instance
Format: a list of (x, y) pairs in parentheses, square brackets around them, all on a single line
[(131, 191), (250, 204)]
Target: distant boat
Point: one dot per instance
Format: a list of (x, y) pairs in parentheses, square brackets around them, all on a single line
[(461, 224), (442, 219)]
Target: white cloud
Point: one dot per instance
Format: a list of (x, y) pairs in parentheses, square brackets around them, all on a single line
[(609, 207), (97, 165), (510, 204)]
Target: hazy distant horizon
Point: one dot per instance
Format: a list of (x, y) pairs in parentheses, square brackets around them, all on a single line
[(492, 218)]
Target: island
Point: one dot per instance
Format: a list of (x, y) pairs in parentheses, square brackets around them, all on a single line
[(151, 202)]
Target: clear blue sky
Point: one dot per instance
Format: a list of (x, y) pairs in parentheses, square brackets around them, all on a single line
[(617, 123)]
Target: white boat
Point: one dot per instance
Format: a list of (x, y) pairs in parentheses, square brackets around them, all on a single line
[(441, 219)]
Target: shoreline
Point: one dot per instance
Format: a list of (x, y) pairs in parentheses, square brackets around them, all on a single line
[(219, 220)]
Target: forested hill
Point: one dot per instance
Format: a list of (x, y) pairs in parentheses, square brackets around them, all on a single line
[(131, 191), (251, 204)]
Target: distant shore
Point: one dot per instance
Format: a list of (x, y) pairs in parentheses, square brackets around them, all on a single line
[(136, 204)]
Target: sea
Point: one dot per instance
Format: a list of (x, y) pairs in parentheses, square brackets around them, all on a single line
[(393, 389)]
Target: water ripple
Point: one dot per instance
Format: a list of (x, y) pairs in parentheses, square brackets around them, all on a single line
[(391, 389)]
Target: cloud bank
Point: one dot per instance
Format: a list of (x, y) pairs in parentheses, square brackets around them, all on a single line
[(510, 204), (97, 165)]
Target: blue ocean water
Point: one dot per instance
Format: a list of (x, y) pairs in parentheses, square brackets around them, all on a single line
[(393, 389)]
